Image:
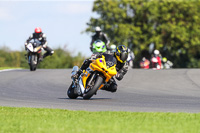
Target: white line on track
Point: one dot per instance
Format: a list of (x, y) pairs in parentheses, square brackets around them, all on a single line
[(5, 70)]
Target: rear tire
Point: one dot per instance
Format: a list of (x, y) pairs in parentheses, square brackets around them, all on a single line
[(93, 90), (70, 92)]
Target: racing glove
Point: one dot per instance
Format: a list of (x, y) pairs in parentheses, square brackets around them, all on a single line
[(44, 45), (119, 76), (121, 73), (95, 56)]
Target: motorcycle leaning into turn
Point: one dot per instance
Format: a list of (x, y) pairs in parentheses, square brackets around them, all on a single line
[(98, 74)]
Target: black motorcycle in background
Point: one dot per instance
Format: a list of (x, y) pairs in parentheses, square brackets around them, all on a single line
[(34, 50)]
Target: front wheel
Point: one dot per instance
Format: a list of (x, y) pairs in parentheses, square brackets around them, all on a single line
[(94, 89), (33, 62), (70, 92)]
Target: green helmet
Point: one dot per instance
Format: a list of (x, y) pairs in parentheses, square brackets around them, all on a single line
[(99, 47), (164, 59)]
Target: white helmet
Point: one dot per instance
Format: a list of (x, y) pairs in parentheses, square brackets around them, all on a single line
[(113, 47), (97, 28), (156, 52)]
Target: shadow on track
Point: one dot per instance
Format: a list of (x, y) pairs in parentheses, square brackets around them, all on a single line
[(88, 99)]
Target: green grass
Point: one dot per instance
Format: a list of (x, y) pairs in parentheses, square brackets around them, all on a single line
[(2, 68), (33, 120)]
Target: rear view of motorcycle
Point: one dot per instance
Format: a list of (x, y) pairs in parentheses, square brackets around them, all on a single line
[(34, 50)]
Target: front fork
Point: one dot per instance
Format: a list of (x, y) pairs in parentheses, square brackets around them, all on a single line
[(89, 84), (78, 84), (28, 57), (77, 89)]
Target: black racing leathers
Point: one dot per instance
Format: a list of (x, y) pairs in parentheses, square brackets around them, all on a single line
[(121, 68), (100, 36), (42, 38)]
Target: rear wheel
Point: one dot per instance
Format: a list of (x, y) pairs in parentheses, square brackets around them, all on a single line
[(70, 92), (94, 89)]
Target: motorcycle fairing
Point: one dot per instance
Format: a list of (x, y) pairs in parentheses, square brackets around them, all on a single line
[(100, 66)]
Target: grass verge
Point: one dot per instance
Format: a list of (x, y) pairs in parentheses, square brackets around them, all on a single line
[(34, 120), (2, 68)]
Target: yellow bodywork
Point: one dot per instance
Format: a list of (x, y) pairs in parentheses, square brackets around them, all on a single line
[(100, 66)]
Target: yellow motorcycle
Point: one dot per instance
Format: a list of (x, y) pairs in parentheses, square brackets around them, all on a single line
[(99, 72)]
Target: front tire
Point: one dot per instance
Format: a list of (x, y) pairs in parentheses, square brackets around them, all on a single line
[(70, 92), (94, 89), (33, 62)]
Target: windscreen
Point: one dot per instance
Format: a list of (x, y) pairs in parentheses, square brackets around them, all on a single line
[(110, 60), (35, 42)]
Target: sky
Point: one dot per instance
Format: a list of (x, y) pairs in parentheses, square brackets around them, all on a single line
[(61, 21)]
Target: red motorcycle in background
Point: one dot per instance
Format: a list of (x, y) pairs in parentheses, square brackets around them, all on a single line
[(156, 60), (156, 63), (144, 64)]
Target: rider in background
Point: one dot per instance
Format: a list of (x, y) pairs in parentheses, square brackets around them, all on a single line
[(166, 63), (121, 55), (99, 35), (38, 34), (144, 63), (130, 58), (113, 48), (156, 60)]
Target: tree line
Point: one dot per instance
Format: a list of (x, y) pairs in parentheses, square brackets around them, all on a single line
[(173, 26)]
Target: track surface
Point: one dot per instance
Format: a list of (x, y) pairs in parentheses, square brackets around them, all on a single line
[(176, 90)]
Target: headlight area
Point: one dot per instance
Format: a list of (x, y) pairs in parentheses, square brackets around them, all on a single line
[(35, 50)]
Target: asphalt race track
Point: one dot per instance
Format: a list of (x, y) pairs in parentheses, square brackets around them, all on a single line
[(175, 90)]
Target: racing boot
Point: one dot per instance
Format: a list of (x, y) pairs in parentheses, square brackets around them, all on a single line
[(40, 57), (49, 52), (111, 86), (45, 55)]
